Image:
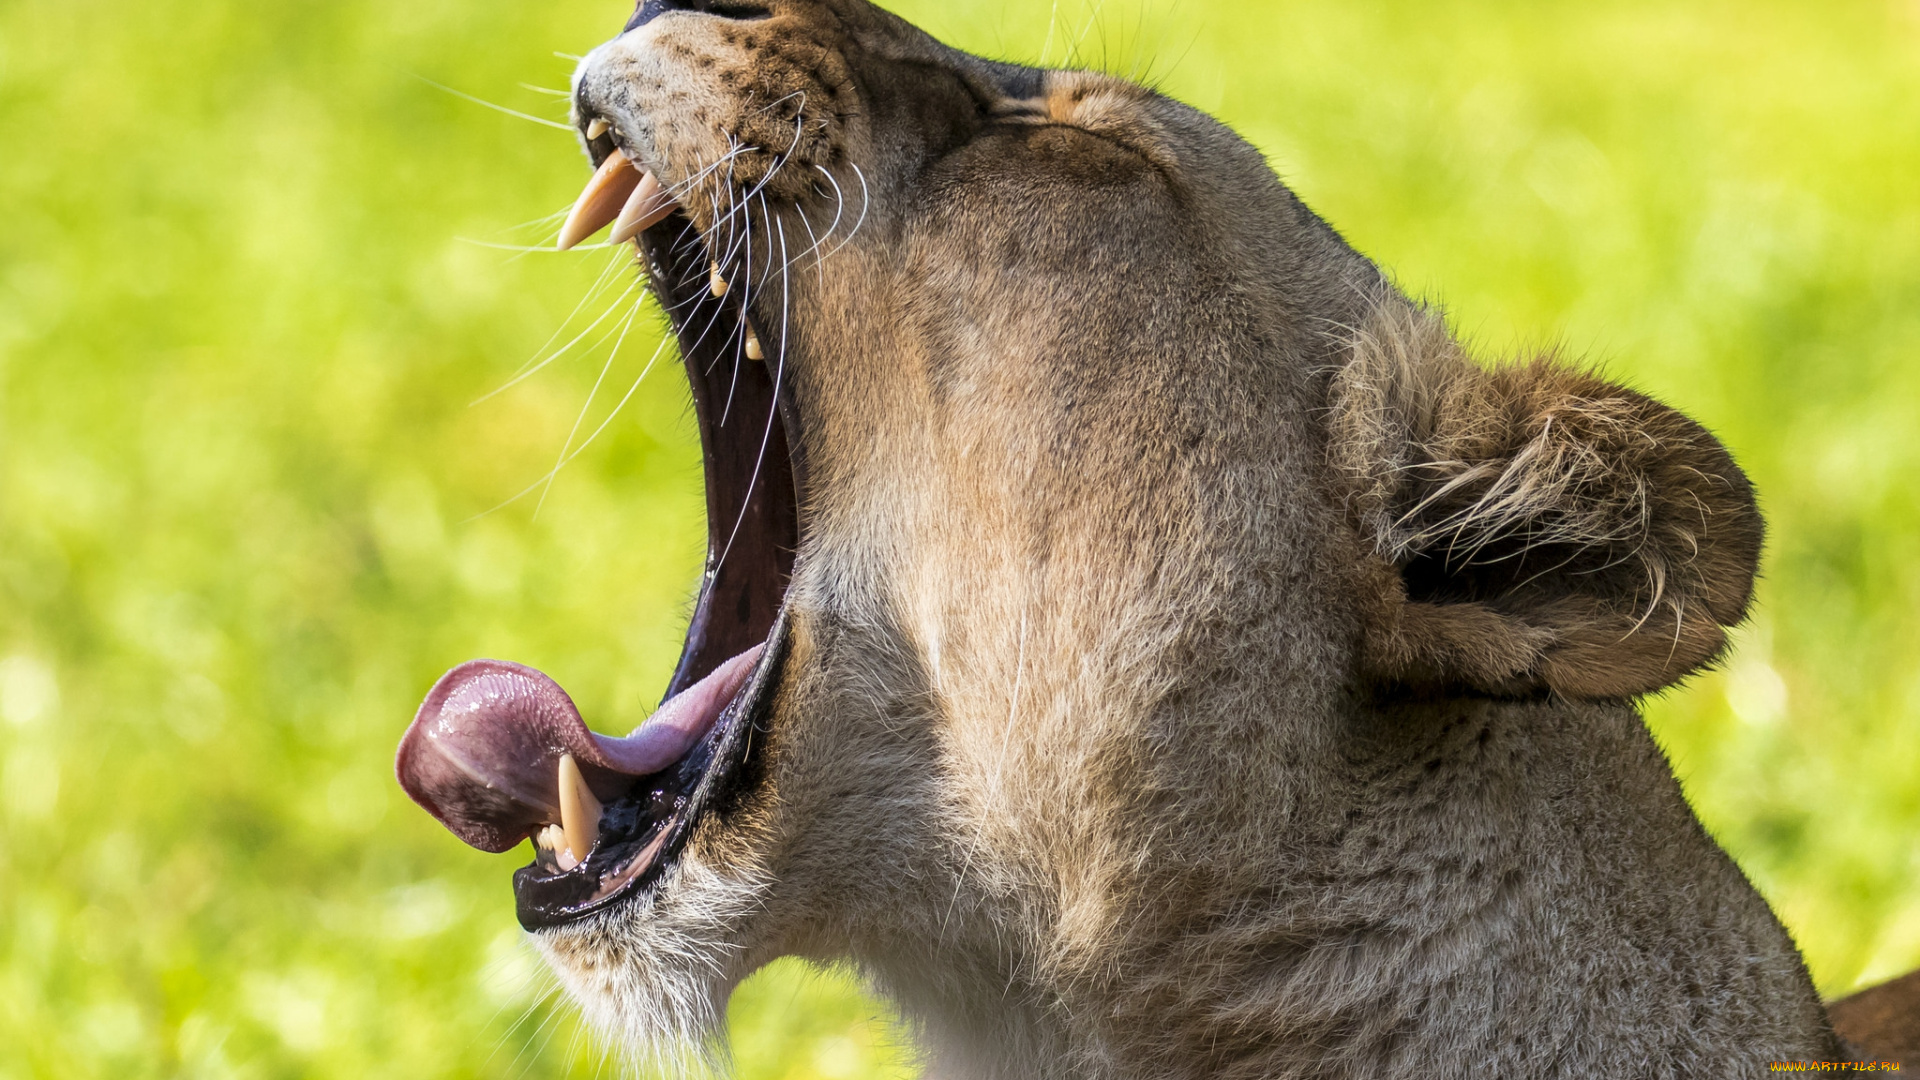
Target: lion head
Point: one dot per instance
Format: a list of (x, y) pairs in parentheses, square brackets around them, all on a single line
[(1134, 634)]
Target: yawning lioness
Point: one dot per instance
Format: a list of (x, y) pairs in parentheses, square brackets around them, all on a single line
[(1134, 634)]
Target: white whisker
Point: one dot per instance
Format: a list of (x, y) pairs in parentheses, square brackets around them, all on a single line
[(589, 441), (773, 417), (497, 108), (528, 371), (839, 207), (586, 406), (593, 293), (534, 249)]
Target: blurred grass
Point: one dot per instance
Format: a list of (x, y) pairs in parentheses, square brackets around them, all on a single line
[(243, 497)]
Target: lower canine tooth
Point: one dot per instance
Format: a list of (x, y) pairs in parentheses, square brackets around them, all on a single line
[(754, 352), (579, 811)]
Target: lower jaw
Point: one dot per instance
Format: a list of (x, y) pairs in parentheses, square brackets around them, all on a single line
[(644, 832)]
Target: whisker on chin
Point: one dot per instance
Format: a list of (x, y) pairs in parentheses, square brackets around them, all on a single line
[(550, 1026), (541, 1002), (537, 984)]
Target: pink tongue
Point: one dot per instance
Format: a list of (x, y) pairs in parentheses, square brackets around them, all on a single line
[(483, 753)]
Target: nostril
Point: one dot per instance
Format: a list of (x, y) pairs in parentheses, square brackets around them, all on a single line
[(648, 10)]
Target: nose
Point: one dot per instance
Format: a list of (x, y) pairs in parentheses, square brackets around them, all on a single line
[(648, 10)]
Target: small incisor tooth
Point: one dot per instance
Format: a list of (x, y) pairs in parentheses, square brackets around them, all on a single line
[(552, 842), (649, 203), (597, 127), (717, 282), (579, 812), (754, 351), (601, 201)]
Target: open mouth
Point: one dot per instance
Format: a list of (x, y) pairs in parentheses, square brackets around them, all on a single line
[(499, 754)]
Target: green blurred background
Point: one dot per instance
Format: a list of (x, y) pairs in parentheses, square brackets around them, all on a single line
[(248, 513)]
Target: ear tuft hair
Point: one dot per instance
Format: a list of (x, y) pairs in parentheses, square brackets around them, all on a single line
[(1536, 525)]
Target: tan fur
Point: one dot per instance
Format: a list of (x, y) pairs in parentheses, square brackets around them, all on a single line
[(1200, 667), (1522, 481)]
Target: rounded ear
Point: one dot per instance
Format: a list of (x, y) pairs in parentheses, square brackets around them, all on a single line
[(1533, 526)]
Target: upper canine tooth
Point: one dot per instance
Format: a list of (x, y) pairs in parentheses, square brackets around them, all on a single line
[(579, 810), (598, 127), (600, 202), (649, 203), (716, 282)]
